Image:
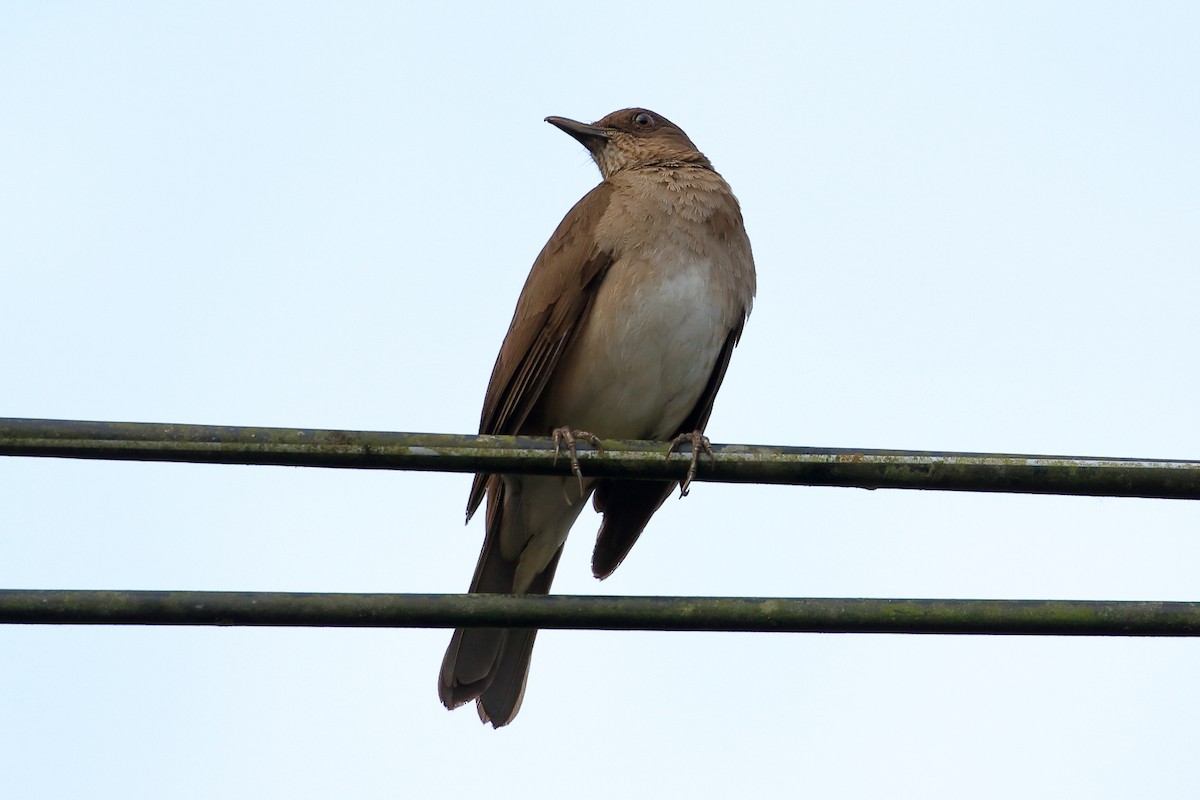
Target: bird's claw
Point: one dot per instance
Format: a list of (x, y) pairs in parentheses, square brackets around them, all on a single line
[(699, 442), (565, 434)]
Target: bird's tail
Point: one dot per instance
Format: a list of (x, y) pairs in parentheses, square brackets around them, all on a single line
[(490, 665)]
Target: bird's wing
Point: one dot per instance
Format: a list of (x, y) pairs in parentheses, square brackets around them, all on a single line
[(554, 301)]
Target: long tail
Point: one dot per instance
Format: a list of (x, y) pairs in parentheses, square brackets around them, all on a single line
[(490, 665)]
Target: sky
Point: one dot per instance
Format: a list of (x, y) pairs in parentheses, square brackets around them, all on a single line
[(975, 228)]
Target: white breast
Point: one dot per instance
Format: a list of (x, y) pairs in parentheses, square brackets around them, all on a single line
[(647, 350)]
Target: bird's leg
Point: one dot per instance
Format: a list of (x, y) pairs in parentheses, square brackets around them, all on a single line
[(565, 434), (699, 442)]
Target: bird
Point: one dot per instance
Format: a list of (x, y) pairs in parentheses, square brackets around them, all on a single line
[(623, 330)]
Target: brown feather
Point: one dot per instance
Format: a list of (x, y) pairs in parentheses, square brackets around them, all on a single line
[(552, 307), (491, 663), (624, 327)]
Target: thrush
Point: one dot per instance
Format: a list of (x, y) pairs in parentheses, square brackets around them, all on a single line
[(624, 330)]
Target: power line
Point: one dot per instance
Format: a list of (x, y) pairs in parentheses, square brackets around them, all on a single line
[(734, 463), (810, 615)]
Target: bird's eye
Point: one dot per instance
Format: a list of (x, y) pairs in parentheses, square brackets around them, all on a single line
[(643, 119)]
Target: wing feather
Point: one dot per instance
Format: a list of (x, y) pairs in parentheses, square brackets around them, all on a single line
[(553, 304)]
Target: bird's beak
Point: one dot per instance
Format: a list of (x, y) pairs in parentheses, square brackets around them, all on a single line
[(589, 136)]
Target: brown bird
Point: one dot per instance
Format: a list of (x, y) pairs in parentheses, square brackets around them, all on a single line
[(623, 330)]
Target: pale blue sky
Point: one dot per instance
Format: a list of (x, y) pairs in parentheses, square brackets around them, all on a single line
[(975, 227)]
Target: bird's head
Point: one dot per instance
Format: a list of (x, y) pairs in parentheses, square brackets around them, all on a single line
[(632, 138)]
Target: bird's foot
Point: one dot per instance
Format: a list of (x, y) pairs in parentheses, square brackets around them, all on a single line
[(699, 442), (565, 434)]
